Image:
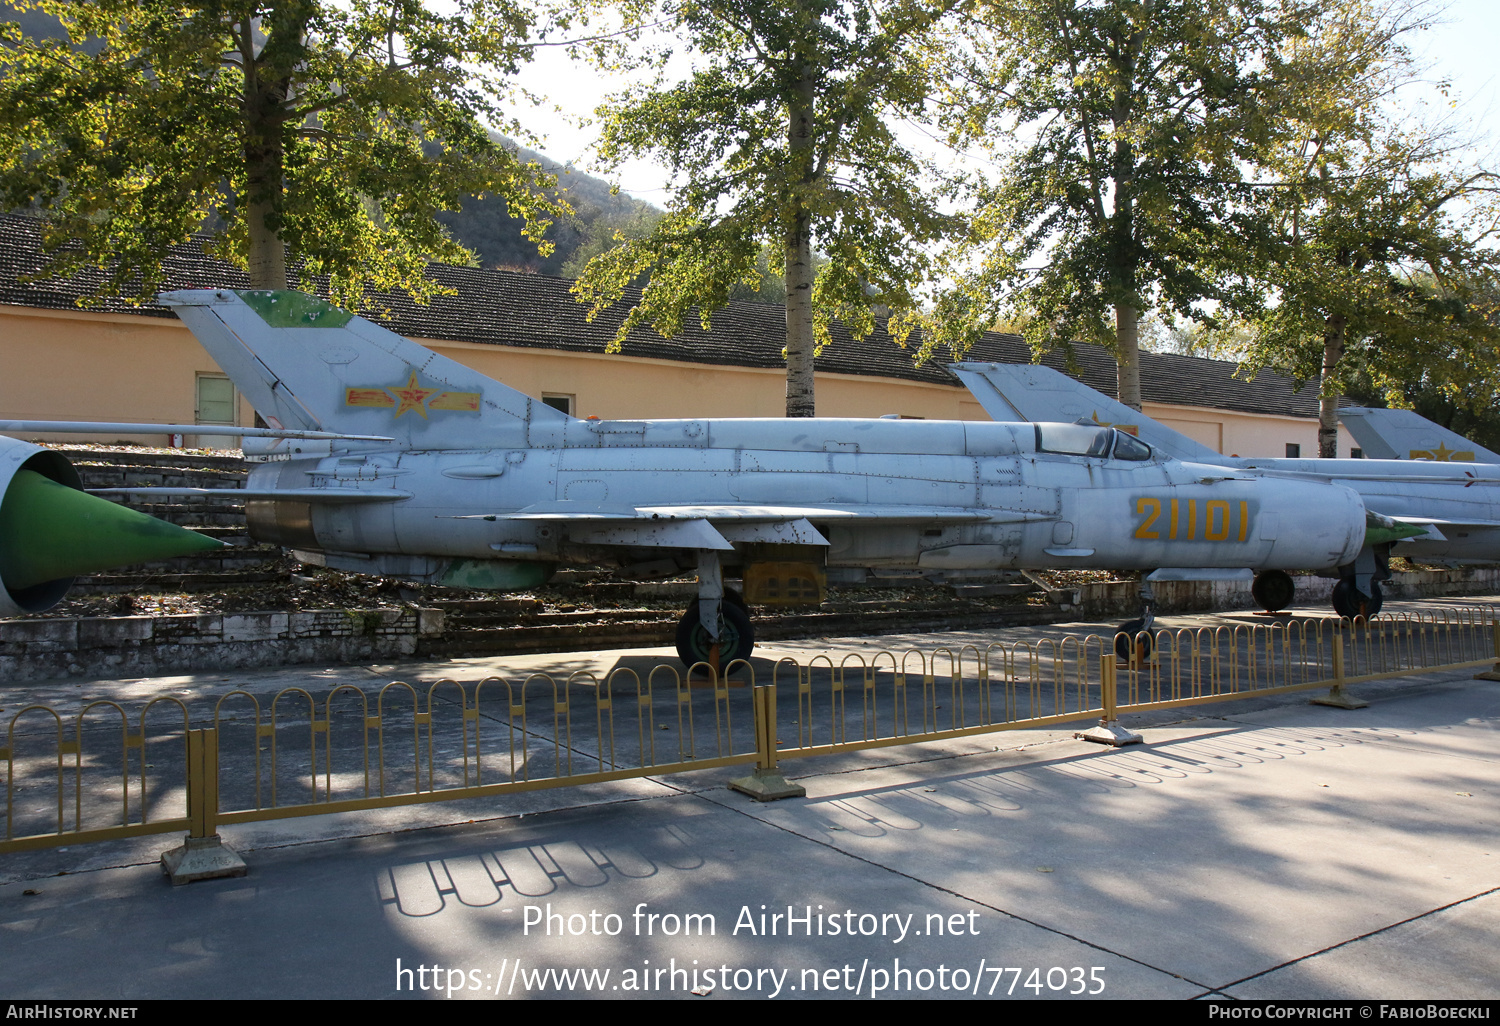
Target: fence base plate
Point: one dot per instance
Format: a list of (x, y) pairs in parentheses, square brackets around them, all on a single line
[(1489, 674), (767, 786), (1339, 699), (202, 858), (1110, 733)]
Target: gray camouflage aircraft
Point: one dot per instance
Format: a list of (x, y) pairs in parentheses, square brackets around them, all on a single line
[(1446, 490), (404, 463)]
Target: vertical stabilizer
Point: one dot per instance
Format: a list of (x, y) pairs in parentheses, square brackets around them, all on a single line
[(304, 363), (1404, 435), (1029, 392)]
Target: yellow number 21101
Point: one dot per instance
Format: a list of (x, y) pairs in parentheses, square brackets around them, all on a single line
[(1191, 519)]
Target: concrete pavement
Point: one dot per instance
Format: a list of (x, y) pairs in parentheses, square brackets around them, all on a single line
[(1260, 849)]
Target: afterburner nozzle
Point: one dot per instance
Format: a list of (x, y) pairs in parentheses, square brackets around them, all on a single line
[(51, 532), (1381, 529)]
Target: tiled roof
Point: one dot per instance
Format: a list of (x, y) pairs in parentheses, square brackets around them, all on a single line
[(508, 308)]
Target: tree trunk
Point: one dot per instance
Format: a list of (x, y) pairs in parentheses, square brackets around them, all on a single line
[(801, 400), (1124, 256), (266, 258), (1328, 395), (264, 99), (1128, 353), (800, 397)]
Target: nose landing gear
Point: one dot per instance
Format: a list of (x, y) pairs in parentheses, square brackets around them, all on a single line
[(1273, 589), (1349, 601), (1133, 638)]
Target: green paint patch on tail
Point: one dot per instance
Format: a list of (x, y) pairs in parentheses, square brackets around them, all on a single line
[(295, 310)]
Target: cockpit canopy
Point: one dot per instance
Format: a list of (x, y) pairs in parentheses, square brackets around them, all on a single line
[(1090, 440)]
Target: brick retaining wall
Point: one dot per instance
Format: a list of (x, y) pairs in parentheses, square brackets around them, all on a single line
[(127, 646)]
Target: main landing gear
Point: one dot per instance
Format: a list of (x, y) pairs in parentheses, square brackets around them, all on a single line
[(1358, 591), (1273, 589), (719, 618), (736, 634)]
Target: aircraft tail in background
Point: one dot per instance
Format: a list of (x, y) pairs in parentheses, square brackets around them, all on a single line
[(1403, 435), (1030, 392)]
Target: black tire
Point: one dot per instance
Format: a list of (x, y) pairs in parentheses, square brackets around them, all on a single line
[(736, 636), (1349, 603), (1273, 589), (733, 597), (1131, 635)]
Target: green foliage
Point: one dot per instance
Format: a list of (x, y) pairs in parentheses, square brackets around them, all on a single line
[(780, 140), (1385, 261), (1384, 274), (607, 229), (1122, 128), (337, 129)]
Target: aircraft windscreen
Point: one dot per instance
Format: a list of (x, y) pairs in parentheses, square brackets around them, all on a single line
[(1129, 447), (1074, 439), (1090, 440)]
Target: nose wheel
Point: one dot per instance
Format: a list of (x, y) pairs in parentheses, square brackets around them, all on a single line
[(1349, 602), (1133, 640), (1273, 590)]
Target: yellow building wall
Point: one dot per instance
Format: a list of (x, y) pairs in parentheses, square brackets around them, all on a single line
[(1245, 434), (79, 365)]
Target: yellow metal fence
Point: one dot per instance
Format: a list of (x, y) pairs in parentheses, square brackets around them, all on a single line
[(104, 773)]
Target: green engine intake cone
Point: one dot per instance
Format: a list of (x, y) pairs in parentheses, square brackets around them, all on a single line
[(1381, 529), (49, 532)]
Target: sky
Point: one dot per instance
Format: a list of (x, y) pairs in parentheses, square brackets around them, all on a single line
[(1461, 48)]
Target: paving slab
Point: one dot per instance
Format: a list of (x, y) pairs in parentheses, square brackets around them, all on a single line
[(1264, 848), (1447, 954), (1259, 844)]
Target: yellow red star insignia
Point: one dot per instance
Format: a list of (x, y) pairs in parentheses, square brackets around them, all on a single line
[(411, 397), (1443, 454)]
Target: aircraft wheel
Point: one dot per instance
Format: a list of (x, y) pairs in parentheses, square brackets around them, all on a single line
[(1348, 602), (1131, 636), (736, 636), (1273, 589), (735, 598)]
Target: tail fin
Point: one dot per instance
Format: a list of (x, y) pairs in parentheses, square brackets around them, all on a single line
[(1029, 392), (1403, 435), (304, 363)]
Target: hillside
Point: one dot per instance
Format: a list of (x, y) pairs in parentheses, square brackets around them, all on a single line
[(485, 225)]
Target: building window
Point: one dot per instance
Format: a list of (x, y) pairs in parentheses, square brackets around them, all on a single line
[(1293, 451), (558, 401), (1356, 454)]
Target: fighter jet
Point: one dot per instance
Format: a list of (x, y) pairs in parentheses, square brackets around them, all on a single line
[(480, 486), (1435, 510)]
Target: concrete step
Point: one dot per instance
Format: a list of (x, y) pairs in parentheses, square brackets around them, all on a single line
[(147, 582), (85, 456), (662, 629), (165, 477)]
